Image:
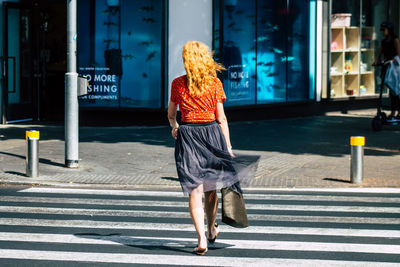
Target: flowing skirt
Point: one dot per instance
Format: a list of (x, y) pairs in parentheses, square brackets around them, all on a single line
[(202, 157)]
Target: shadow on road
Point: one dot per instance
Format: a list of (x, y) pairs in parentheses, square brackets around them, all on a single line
[(41, 160), (320, 135), (147, 243)]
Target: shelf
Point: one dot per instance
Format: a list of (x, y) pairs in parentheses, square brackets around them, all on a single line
[(367, 34), (337, 86), (351, 85), (337, 42), (352, 37), (337, 63), (351, 62), (367, 59), (367, 73), (351, 73), (368, 81), (352, 55)]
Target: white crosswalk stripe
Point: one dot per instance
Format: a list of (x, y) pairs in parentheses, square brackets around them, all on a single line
[(288, 227)]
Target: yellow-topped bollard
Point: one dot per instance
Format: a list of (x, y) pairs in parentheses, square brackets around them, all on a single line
[(357, 159), (32, 153), (32, 134)]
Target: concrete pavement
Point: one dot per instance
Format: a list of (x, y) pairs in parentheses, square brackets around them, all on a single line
[(296, 152)]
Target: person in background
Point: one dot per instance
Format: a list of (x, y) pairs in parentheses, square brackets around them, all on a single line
[(390, 48), (203, 151)]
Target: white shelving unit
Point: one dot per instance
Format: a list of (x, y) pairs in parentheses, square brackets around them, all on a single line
[(352, 55)]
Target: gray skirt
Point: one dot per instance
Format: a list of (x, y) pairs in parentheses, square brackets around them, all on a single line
[(202, 157)]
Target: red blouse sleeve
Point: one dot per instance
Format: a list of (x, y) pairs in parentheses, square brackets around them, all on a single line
[(174, 92), (220, 94)]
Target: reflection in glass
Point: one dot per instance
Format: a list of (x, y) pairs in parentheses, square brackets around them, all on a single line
[(141, 58), (351, 7), (266, 48), (271, 52), (239, 52), (298, 50), (371, 38), (120, 51)]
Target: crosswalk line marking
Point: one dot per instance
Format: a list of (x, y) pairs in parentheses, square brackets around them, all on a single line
[(175, 259), (192, 242), (180, 194), (179, 215), (101, 192), (184, 204), (189, 227), (375, 190)]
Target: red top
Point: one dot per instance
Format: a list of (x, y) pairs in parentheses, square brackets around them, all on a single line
[(197, 109)]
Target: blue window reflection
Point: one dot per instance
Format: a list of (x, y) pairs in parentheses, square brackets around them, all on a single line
[(271, 51), (141, 46), (119, 49), (239, 52), (265, 50), (298, 19)]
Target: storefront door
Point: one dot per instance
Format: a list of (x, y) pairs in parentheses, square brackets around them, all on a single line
[(19, 93)]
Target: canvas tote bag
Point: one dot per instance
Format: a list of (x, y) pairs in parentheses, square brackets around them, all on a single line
[(233, 208)]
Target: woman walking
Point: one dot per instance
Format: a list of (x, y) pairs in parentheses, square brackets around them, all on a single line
[(203, 152), (390, 48)]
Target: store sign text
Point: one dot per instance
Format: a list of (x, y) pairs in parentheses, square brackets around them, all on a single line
[(239, 82), (102, 85)]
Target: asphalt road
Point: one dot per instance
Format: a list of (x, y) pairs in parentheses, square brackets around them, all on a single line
[(41, 226)]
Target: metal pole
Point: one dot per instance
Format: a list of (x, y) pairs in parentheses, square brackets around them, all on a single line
[(71, 94), (32, 154), (357, 157)]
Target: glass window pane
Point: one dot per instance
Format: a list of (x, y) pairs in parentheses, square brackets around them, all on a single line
[(239, 52), (345, 58), (141, 53), (13, 60), (298, 50), (351, 7), (371, 38), (271, 52), (120, 50), (98, 34)]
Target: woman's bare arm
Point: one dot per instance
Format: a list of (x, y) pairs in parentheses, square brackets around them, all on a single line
[(172, 110), (223, 123), (397, 44)]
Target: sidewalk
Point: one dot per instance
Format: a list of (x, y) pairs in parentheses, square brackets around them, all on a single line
[(297, 152)]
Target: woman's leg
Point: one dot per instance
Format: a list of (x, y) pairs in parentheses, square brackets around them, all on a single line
[(211, 208), (197, 213), (398, 105), (393, 103)]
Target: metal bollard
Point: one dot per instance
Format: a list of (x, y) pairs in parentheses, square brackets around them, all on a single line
[(32, 153), (357, 157)]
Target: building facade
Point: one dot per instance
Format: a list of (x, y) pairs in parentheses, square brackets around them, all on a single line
[(277, 54)]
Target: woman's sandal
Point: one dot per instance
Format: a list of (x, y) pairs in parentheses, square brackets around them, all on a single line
[(200, 251), (212, 240)]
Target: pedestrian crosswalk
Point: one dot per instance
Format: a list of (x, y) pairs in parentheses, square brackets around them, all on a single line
[(72, 227)]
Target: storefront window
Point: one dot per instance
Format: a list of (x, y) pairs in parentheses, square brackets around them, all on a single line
[(265, 48), (354, 43), (119, 49), (271, 52), (239, 51), (374, 12), (297, 59)]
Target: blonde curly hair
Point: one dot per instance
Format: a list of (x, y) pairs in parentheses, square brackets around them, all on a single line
[(199, 65)]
